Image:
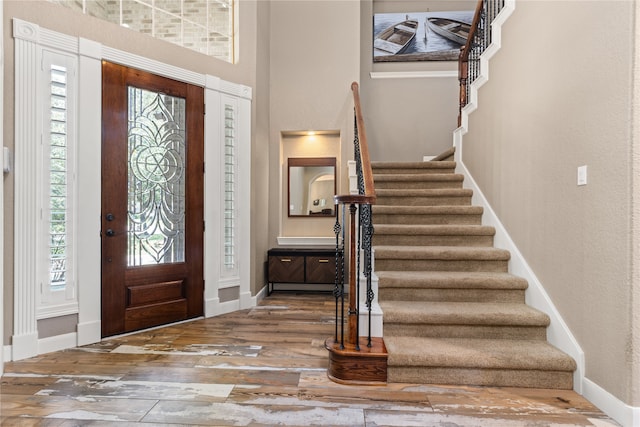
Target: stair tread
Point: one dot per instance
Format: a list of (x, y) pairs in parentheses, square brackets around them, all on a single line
[(434, 229), (426, 210), (426, 192), (449, 153), (463, 313), (477, 353), (441, 252), (450, 279)]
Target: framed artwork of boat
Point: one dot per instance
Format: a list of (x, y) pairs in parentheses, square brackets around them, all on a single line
[(420, 36)]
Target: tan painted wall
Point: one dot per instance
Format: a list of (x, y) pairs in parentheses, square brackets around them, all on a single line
[(260, 162), (315, 48), (560, 96)]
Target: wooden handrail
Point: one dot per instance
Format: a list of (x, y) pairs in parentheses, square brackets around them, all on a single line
[(367, 173), (464, 52)]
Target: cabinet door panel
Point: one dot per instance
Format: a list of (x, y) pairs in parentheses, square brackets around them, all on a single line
[(321, 269), (286, 269)]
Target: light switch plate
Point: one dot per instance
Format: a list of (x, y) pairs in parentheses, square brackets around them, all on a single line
[(582, 175), (6, 160)]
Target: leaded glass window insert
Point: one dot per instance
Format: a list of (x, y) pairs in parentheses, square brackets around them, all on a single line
[(156, 178), (58, 212)]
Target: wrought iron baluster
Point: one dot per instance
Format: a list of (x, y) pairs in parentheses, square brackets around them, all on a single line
[(479, 40)]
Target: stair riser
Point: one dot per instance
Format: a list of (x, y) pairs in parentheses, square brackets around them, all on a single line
[(423, 185), (439, 265), (424, 201), (427, 330), (425, 240), (405, 171), (559, 380), (452, 295), (427, 219)]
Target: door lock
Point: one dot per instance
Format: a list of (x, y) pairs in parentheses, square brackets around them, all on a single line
[(110, 232), (109, 217)]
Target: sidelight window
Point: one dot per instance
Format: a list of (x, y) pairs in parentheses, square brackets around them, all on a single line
[(230, 187), (58, 289)]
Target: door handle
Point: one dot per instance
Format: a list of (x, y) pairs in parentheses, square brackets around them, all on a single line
[(110, 232)]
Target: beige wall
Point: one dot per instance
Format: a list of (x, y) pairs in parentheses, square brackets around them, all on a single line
[(407, 118), (260, 162), (315, 48), (555, 102)]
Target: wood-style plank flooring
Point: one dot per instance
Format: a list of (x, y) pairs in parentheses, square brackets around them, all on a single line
[(265, 366)]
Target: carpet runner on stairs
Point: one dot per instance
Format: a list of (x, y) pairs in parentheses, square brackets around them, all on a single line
[(452, 312)]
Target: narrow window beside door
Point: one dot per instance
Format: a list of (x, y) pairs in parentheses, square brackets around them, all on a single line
[(58, 289), (229, 188)]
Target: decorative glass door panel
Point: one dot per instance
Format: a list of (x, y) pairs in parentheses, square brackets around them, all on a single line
[(152, 200), (156, 178)]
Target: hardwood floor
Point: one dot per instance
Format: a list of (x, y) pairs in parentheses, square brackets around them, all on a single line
[(264, 366)]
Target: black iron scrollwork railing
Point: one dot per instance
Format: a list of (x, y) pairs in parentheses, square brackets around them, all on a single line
[(354, 231), (478, 41)]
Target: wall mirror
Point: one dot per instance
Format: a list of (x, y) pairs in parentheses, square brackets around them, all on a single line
[(312, 185)]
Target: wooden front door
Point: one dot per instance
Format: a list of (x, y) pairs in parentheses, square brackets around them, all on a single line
[(152, 200)]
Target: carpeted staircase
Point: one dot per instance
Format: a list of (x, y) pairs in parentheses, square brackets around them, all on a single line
[(452, 312)]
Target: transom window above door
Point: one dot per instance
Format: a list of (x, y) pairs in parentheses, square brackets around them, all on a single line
[(205, 26)]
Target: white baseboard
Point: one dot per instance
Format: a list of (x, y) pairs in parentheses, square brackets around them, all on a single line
[(57, 343), (246, 300), (627, 416), (558, 333), (216, 308), (89, 332), (24, 346)]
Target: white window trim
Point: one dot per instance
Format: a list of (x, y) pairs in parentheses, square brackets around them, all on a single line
[(28, 39)]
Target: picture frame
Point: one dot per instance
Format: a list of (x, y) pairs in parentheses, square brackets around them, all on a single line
[(420, 36)]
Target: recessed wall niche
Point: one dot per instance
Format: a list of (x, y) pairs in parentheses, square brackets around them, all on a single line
[(307, 144)]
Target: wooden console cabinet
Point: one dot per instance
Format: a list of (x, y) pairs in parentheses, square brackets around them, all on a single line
[(300, 265)]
